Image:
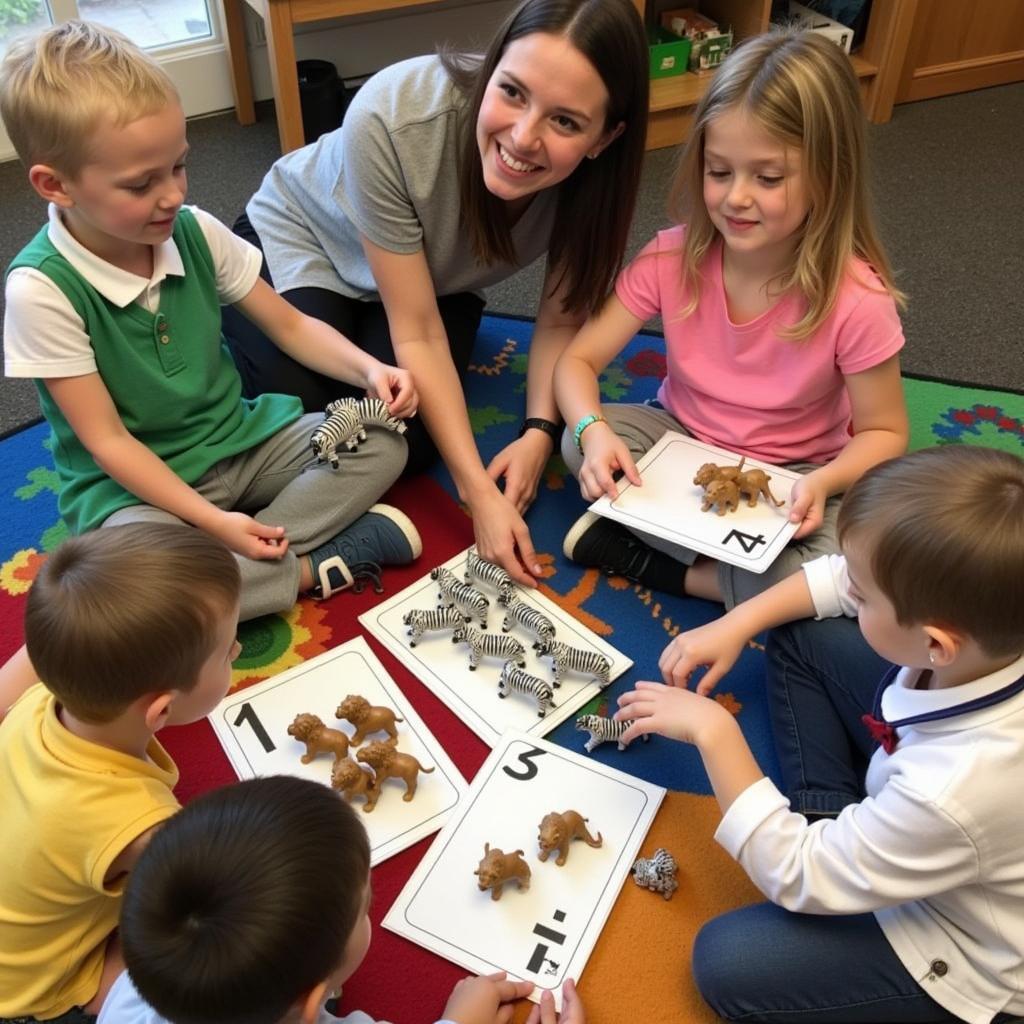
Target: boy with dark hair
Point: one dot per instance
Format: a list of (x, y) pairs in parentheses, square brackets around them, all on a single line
[(130, 629), (250, 907)]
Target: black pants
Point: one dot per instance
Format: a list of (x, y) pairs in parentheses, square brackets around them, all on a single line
[(265, 368)]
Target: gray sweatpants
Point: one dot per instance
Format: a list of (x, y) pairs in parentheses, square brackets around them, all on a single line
[(280, 483), (641, 427)]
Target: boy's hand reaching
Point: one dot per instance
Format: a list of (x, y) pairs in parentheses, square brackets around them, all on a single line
[(572, 1008), (245, 536), (672, 712), (394, 387), (485, 1000), (717, 645)]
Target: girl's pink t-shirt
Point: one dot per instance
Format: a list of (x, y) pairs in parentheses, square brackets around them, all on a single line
[(741, 386)]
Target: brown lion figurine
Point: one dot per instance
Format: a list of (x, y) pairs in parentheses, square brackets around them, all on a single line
[(557, 831), (388, 763), (319, 738), (352, 780), (497, 867), (723, 493), (367, 718), (712, 471), (754, 484)]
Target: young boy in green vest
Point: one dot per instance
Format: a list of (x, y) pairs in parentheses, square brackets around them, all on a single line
[(114, 309)]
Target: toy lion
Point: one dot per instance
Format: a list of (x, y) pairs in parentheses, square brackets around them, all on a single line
[(319, 738), (557, 831), (388, 763), (725, 485), (352, 780), (497, 867), (367, 718)]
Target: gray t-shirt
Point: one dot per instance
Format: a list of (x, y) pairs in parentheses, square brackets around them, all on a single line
[(389, 173)]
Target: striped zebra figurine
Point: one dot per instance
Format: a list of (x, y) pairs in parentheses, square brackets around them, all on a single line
[(422, 620), (341, 425), (374, 411), (514, 680), (574, 659), (658, 873), (529, 618), (489, 645), (467, 599), (482, 571), (602, 730)]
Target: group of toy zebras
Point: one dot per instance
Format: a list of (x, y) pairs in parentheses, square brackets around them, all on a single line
[(345, 424), (461, 606)]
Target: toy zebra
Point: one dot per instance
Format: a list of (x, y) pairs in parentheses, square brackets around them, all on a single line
[(467, 599), (658, 873), (482, 571), (489, 645), (602, 730), (574, 659), (375, 411), (515, 680), (529, 617), (422, 620), (341, 425)]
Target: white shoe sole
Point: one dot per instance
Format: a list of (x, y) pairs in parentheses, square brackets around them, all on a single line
[(404, 523), (576, 531)]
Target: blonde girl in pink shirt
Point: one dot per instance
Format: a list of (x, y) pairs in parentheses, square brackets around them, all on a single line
[(779, 309)]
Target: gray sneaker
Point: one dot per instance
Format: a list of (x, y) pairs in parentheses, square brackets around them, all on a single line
[(383, 536)]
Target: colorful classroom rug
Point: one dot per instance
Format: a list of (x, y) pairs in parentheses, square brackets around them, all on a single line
[(640, 965)]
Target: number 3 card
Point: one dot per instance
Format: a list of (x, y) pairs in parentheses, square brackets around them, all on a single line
[(262, 734), (668, 505), (548, 917)]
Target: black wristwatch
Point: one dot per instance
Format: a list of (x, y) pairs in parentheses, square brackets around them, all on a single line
[(553, 430)]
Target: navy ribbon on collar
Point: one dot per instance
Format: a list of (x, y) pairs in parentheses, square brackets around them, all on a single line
[(885, 732)]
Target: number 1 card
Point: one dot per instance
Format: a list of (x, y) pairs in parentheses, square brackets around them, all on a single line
[(668, 505), (253, 728), (545, 931)]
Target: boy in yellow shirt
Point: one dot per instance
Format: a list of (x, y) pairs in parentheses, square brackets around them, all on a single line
[(130, 628)]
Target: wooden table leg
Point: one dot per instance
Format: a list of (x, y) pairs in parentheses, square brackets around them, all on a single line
[(281, 50), (238, 56)]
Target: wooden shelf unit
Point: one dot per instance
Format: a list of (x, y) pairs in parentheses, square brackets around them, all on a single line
[(878, 63)]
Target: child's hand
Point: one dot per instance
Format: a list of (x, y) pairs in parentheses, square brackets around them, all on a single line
[(716, 645), (604, 454), (808, 497), (245, 536), (572, 1008), (669, 711), (485, 1000), (395, 388)]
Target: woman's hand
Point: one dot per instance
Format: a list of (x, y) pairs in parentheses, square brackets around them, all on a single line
[(808, 496), (717, 645), (245, 536), (502, 536), (394, 387), (521, 464), (604, 454)]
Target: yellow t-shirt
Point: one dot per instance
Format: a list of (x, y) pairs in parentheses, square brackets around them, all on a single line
[(68, 808)]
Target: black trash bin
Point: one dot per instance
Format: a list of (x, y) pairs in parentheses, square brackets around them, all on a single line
[(321, 97)]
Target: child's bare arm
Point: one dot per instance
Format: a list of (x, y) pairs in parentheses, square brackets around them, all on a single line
[(320, 347), (880, 431), (92, 415), (16, 676), (718, 644)]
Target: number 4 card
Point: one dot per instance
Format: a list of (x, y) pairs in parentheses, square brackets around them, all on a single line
[(253, 728), (545, 931), (668, 505)]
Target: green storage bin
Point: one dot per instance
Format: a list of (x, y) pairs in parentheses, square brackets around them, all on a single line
[(670, 54)]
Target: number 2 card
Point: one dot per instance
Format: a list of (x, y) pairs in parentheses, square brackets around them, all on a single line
[(545, 930), (253, 728), (668, 505)]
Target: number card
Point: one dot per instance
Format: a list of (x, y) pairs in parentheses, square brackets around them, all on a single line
[(669, 505), (252, 726), (443, 667), (545, 932)]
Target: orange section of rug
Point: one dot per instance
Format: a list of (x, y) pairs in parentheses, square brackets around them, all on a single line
[(640, 967)]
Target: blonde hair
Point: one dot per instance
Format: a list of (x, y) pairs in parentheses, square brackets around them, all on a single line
[(943, 530), (56, 87), (801, 89), (125, 611)]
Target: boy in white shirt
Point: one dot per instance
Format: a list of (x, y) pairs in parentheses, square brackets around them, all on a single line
[(908, 905)]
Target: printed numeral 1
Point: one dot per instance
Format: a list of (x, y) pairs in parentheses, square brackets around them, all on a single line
[(246, 714)]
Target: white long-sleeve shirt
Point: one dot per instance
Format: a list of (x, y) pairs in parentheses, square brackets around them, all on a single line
[(936, 848)]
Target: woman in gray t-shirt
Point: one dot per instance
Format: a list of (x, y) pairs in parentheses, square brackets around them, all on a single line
[(449, 174)]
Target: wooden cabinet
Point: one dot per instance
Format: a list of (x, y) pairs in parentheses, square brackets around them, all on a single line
[(878, 63)]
